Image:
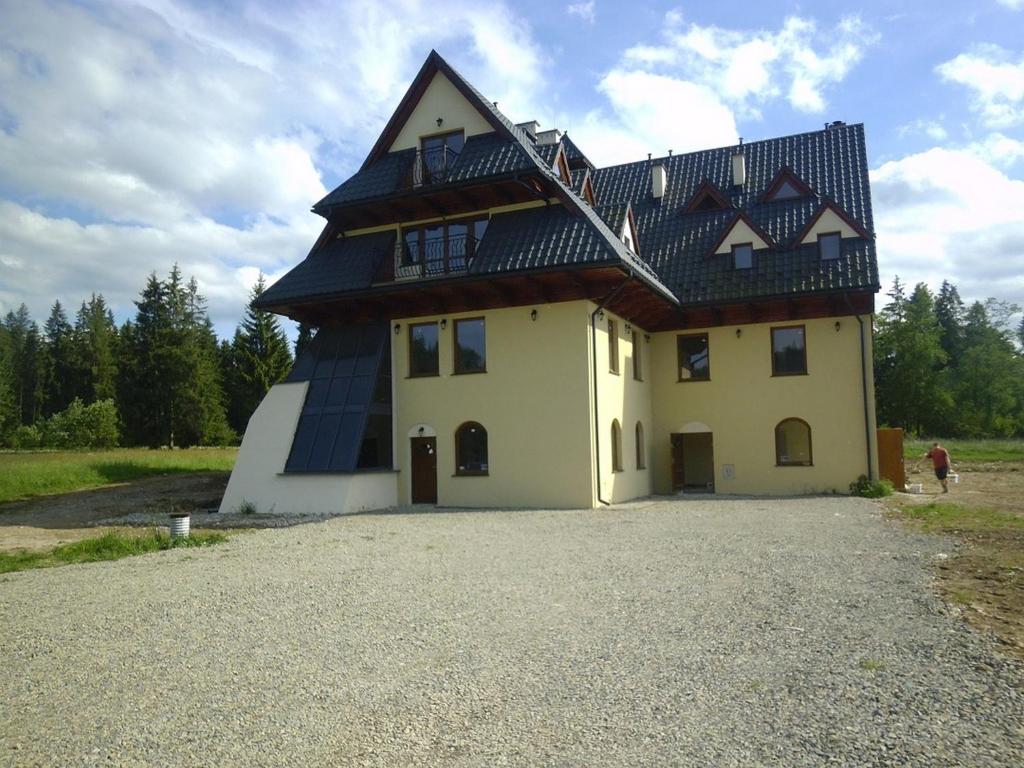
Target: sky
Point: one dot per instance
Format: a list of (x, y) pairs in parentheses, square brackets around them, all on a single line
[(137, 135)]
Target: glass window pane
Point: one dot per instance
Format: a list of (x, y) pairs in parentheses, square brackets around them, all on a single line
[(743, 256), (793, 443), (470, 351), (304, 435), (337, 394), (828, 245), (694, 358), (433, 249), (412, 246), (316, 395), (347, 349), (786, 191), (323, 444), (326, 356), (457, 234), (789, 353), (471, 447), (423, 350), (375, 451), (455, 141), (479, 228), (349, 438), (361, 390)]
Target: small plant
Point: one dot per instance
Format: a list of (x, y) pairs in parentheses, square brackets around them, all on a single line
[(871, 489), (246, 507), (872, 665)]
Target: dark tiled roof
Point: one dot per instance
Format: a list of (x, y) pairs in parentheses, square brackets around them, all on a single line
[(379, 180), (578, 177), (342, 265), (677, 245), (489, 155), (613, 214), (573, 153)]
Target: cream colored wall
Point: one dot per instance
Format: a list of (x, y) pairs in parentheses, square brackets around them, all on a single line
[(622, 397), (258, 478), (743, 402), (440, 99), (829, 221), (533, 401), (741, 233)]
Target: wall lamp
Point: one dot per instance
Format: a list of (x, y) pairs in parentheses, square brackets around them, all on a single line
[(600, 315), (647, 338), (398, 328), (838, 326), (533, 315), (444, 323), (629, 327), (739, 332), (439, 121)]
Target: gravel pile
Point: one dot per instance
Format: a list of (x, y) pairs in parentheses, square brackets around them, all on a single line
[(710, 633)]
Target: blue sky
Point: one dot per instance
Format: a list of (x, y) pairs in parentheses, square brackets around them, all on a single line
[(138, 134)]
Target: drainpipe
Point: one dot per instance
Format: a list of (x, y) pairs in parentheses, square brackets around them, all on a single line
[(593, 346), (864, 384)]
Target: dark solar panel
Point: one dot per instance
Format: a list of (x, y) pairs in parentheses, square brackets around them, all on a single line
[(349, 374)]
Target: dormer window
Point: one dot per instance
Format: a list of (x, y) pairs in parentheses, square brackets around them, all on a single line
[(786, 186), (828, 245), (439, 249), (743, 256), (438, 154), (707, 198), (786, 191)]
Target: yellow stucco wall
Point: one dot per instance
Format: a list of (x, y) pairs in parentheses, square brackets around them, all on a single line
[(741, 233), (623, 398), (534, 402), (829, 221), (743, 402), (440, 99)]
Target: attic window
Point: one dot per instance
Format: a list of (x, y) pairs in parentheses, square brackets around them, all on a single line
[(828, 245), (786, 191), (437, 156), (707, 198), (786, 186), (743, 256)]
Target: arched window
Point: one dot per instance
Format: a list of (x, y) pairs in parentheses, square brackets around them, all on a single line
[(471, 449), (641, 462), (616, 446), (793, 443)]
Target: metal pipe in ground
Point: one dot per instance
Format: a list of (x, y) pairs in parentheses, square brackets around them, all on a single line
[(180, 524)]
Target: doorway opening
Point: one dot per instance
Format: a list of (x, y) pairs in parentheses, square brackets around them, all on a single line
[(693, 462), (424, 469)]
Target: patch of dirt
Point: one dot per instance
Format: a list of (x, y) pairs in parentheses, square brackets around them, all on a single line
[(45, 522), (986, 575)]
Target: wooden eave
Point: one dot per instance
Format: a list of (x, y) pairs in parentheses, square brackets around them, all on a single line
[(773, 309), (826, 206)]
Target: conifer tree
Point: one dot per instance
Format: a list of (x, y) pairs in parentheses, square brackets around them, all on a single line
[(949, 310), (59, 381), (26, 362), (306, 333), (259, 359), (8, 407), (95, 351)]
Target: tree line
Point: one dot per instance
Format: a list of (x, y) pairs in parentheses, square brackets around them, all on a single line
[(160, 379), (946, 369)]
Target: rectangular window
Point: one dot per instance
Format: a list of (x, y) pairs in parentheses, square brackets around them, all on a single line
[(638, 363), (789, 351), (470, 346), (613, 346), (423, 350), (828, 246), (694, 358), (438, 154), (743, 256), (439, 249)]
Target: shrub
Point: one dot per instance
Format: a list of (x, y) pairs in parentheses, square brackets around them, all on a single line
[(82, 426), (26, 437), (871, 489)]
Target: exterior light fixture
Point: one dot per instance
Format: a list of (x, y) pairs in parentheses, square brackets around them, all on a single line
[(629, 327), (444, 323), (398, 328), (439, 121), (600, 315), (838, 326), (533, 315), (420, 430), (739, 332), (647, 338)]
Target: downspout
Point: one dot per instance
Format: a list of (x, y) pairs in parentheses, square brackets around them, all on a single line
[(864, 383), (593, 348)]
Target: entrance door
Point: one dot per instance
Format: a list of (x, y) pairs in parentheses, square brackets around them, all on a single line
[(424, 469), (693, 463)]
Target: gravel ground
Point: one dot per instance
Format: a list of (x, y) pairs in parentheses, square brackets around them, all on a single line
[(704, 633)]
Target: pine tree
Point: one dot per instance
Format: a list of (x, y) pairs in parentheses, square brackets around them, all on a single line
[(949, 310), (143, 388), (96, 350), (27, 363), (260, 358), (989, 389), (306, 334), (8, 406), (59, 378)]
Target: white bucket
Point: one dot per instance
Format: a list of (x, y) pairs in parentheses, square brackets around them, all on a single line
[(180, 526), (915, 488), (955, 478)]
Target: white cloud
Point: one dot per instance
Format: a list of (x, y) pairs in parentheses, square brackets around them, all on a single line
[(933, 129), (996, 81), (949, 213), (1013, 5), (584, 10)]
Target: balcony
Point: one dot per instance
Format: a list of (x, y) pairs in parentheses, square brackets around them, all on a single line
[(431, 165), (434, 251)]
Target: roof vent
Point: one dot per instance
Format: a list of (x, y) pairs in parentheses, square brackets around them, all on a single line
[(659, 181), (739, 168), (834, 124), (530, 126), (549, 137)]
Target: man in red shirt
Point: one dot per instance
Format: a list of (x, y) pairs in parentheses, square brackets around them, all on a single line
[(941, 463)]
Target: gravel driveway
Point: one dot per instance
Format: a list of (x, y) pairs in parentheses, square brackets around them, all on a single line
[(698, 633)]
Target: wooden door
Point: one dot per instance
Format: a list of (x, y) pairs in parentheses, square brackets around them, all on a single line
[(890, 457), (677, 462), (424, 470)]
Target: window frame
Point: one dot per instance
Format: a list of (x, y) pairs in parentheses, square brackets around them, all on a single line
[(641, 448), (810, 445), (616, 446), (613, 346), (743, 245), (469, 254), (412, 373), (771, 333), (839, 246), (458, 449), (638, 361), (679, 367), (456, 367)]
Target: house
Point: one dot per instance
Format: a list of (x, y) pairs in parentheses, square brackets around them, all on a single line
[(503, 323)]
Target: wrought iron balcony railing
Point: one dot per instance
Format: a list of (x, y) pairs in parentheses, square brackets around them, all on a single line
[(435, 256), (432, 166)]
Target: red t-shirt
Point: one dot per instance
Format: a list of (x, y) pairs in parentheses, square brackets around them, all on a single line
[(939, 457)]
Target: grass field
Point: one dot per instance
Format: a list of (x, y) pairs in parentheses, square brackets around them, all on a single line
[(110, 546), (24, 475), (968, 450)]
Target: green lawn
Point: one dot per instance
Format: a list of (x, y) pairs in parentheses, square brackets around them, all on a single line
[(24, 475), (110, 546), (944, 517), (968, 450)]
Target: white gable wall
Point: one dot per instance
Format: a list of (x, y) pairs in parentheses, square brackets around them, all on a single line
[(829, 221), (440, 99), (741, 233)]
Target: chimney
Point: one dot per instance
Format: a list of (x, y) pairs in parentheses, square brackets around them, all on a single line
[(530, 126), (659, 181), (739, 168), (549, 137)]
